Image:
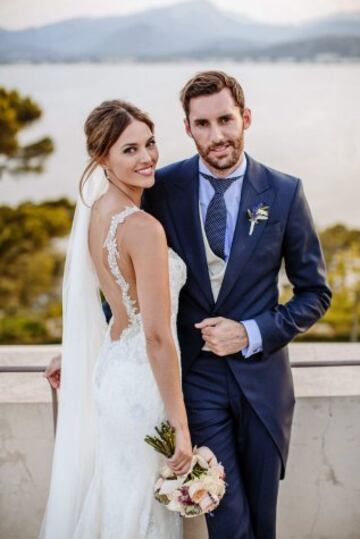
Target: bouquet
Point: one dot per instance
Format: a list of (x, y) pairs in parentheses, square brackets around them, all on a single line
[(195, 493)]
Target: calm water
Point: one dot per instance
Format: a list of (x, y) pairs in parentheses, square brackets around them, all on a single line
[(306, 121)]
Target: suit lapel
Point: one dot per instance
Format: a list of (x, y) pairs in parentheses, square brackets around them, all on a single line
[(184, 206), (255, 189)]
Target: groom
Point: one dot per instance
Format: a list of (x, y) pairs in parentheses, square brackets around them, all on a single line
[(233, 221)]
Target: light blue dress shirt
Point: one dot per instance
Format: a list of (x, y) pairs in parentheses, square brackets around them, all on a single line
[(232, 199)]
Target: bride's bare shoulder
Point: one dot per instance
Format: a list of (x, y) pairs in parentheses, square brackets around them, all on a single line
[(145, 224), (143, 229), (138, 228)]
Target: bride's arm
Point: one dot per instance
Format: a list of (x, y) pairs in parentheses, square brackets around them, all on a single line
[(147, 247)]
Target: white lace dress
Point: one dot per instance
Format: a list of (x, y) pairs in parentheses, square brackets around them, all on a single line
[(120, 503)]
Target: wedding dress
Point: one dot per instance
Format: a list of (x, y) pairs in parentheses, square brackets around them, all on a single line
[(103, 473), (120, 502)]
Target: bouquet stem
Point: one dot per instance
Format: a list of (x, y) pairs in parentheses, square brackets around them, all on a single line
[(166, 442)]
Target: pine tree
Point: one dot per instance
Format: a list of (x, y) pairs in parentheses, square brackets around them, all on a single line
[(17, 113)]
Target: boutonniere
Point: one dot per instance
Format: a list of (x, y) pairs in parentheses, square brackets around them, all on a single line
[(257, 213)]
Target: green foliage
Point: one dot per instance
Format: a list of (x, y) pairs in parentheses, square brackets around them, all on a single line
[(341, 248), (336, 238), (23, 329), (31, 267), (32, 259), (17, 113), (344, 279)]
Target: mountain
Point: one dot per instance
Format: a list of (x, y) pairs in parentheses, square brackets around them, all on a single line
[(174, 29), (195, 29), (341, 24), (320, 49)]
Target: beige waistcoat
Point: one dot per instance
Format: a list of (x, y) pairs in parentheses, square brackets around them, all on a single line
[(216, 266)]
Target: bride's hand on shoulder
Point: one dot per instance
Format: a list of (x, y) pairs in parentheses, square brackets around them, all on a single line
[(180, 462)]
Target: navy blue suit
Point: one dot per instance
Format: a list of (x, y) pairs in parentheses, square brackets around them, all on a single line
[(243, 408)]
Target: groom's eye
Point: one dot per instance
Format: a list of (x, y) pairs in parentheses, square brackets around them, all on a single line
[(201, 123), (225, 119)]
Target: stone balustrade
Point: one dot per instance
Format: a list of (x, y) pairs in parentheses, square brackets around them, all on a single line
[(319, 499)]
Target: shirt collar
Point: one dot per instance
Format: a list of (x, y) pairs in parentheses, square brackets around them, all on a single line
[(239, 171)]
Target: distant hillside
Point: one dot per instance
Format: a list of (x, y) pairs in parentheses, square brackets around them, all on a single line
[(319, 49), (194, 29), (324, 47)]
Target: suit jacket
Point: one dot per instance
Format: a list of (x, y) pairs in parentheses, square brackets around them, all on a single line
[(249, 289)]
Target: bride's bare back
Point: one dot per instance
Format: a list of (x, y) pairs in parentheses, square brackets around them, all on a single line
[(102, 217)]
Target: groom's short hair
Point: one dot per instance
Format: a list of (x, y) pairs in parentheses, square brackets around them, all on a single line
[(208, 83)]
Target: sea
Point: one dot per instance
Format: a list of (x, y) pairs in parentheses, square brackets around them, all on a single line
[(306, 122)]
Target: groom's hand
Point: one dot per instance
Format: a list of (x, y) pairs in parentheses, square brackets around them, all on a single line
[(223, 336)]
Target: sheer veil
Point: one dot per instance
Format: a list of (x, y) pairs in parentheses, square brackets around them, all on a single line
[(84, 328)]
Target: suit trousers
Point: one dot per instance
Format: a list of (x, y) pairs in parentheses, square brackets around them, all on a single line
[(222, 419)]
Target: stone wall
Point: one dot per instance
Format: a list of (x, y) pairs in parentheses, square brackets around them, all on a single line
[(319, 498)]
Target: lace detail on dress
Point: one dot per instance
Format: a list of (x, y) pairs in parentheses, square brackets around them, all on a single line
[(113, 255)]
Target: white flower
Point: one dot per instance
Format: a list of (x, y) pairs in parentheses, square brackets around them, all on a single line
[(167, 473), (260, 212), (206, 454), (174, 505), (170, 485)]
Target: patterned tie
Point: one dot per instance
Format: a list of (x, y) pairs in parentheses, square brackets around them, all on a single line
[(215, 222)]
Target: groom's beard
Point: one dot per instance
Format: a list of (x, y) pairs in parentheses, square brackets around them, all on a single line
[(236, 149)]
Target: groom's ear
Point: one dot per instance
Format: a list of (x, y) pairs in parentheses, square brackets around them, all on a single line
[(187, 127), (246, 118)]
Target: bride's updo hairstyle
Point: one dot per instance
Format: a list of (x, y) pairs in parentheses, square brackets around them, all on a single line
[(103, 127)]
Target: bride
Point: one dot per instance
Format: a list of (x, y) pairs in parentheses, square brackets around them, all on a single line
[(120, 381)]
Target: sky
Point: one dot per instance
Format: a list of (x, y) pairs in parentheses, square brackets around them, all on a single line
[(16, 14)]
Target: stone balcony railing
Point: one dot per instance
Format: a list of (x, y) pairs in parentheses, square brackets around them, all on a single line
[(319, 499)]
